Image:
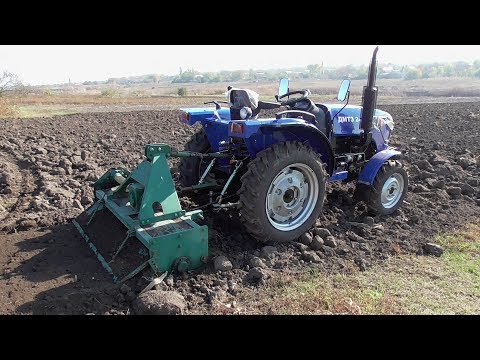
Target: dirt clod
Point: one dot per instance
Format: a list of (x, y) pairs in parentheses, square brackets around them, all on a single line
[(27, 224), (322, 232), (268, 251), (256, 262), (330, 241), (467, 189), (433, 249), (317, 243), (156, 302), (311, 256), (361, 263), (306, 238), (256, 274), (221, 263), (355, 237), (77, 204), (454, 191), (424, 165)]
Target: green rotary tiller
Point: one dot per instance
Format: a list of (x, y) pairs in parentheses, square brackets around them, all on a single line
[(146, 203)]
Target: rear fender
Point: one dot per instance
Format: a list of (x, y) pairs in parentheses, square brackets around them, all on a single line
[(191, 116), (369, 172), (214, 122), (269, 134)]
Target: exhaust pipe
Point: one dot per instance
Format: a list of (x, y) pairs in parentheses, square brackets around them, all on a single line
[(369, 100)]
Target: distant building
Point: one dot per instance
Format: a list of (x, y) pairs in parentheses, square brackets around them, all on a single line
[(260, 76)]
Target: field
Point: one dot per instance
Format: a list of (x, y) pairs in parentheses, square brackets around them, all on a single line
[(65, 100), (47, 164)]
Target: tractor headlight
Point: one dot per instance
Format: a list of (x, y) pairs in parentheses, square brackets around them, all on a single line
[(245, 112)]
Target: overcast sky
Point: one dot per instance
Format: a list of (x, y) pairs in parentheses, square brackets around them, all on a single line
[(49, 64)]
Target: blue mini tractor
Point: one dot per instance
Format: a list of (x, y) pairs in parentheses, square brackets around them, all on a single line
[(273, 170)]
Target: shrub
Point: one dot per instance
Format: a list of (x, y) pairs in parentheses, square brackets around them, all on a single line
[(7, 110), (182, 91), (138, 93), (110, 92)]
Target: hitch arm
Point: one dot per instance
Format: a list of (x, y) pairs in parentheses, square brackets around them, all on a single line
[(238, 165), (182, 154)]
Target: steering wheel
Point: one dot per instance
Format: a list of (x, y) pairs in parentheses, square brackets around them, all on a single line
[(304, 95)]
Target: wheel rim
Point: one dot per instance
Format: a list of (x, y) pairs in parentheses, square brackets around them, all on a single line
[(291, 197), (392, 191)]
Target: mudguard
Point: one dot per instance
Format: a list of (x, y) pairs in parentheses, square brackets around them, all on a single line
[(191, 116), (214, 122), (369, 172), (261, 134)]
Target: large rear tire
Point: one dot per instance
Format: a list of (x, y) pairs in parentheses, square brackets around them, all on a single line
[(191, 168), (282, 192)]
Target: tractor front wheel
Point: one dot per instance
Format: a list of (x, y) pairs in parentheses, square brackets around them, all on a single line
[(388, 189), (282, 192)]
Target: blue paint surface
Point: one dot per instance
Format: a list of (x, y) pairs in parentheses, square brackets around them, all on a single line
[(259, 134), (369, 172)]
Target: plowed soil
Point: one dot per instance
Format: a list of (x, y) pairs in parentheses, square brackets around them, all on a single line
[(48, 165)]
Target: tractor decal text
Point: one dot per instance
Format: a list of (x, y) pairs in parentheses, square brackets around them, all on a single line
[(348, 119)]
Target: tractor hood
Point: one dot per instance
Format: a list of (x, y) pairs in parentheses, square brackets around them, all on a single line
[(347, 120)]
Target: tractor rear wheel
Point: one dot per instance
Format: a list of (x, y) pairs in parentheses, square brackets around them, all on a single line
[(282, 192), (191, 168), (388, 189)]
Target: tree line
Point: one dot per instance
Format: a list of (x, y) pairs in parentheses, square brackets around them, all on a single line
[(313, 71), (8, 80), (317, 71)]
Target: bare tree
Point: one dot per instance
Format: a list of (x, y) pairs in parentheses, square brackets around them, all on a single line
[(8, 81)]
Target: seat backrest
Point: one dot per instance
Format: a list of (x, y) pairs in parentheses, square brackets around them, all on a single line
[(323, 119), (240, 98)]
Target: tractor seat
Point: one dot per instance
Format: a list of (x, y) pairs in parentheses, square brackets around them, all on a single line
[(321, 117), (240, 98), (317, 113)]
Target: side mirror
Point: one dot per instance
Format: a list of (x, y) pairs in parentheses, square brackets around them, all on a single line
[(343, 91), (283, 87)]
